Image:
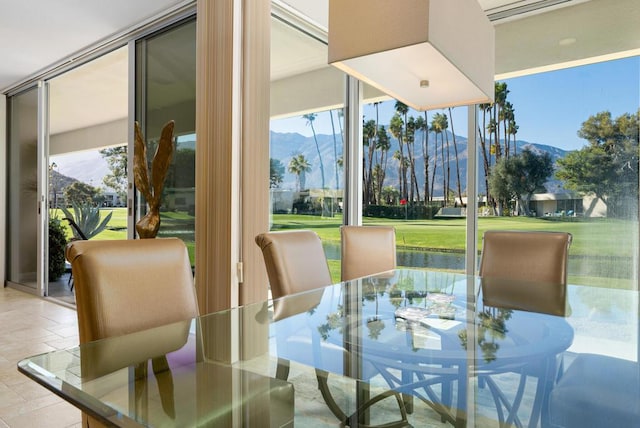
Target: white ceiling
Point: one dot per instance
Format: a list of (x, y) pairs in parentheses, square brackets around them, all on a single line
[(34, 34), (37, 34), (538, 35)]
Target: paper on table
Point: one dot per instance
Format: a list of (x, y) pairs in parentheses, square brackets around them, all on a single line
[(440, 324)]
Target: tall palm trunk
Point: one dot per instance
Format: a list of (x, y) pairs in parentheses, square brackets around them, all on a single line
[(444, 169), (425, 157), (435, 164), (335, 150), (455, 148)]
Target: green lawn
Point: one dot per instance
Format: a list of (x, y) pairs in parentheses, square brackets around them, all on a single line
[(600, 251), (595, 237)]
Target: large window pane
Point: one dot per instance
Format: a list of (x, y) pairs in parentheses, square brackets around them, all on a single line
[(409, 159), (306, 145), (165, 91), (561, 151)]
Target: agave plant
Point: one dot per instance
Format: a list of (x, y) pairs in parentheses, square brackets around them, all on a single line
[(87, 218)]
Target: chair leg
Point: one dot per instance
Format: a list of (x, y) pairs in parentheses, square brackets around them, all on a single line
[(361, 417), (282, 370), (323, 385)]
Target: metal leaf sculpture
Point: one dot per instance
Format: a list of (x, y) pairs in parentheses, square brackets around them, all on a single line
[(151, 185)]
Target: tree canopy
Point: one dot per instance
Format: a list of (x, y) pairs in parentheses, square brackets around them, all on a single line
[(117, 179), (80, 193), (517, 177), (276, 173), (607, 166)]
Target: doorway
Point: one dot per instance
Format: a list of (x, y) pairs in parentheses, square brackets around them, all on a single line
[(24, 200), (87, 158)]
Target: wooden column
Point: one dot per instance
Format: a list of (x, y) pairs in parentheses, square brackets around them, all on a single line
[(232, 127), (255, 146)]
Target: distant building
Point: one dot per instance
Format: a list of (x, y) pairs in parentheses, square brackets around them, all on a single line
[(566, 204), (111, 199)]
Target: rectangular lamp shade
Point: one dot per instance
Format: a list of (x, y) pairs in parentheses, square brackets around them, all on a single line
[(428, 54)]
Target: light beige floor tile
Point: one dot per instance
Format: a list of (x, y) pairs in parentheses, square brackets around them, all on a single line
[(59, 415), (32, 325), (26, 406), (29, 389), (8, 397)]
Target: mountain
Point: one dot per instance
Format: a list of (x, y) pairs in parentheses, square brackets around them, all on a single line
[(286, 145), (60, 181), (88, 167)]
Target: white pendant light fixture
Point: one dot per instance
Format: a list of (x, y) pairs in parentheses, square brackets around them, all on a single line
[(428, 54)]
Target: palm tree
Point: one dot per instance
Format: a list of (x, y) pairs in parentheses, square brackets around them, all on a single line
[(506, 116), (432, 128), (400, 160), (423, 126), (396, 127), (512, 129), (368, 140), (402, 110), (482, 136), (501, 92), (383, 146), (439, 125), (335, 150), (299, 166), (455, 148), (410, 140), (310, 117)]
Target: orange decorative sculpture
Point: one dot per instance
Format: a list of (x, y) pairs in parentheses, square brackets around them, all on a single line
[(150, 185)]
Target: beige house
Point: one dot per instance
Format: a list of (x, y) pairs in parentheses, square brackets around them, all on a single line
[(567, 204)]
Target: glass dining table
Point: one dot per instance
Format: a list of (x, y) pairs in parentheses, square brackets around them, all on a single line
[(407, 347)]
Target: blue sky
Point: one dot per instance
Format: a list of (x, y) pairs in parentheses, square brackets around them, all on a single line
[(550, 107)]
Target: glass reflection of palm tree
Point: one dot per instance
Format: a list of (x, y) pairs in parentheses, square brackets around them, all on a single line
[(371, 288), (395, 296), (491, 322), (334, 321)]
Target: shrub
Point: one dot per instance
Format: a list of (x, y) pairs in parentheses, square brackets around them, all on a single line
[(57, 244), (411, 212), (87, 217)]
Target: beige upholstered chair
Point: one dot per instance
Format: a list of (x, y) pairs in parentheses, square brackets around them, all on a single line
[(367, 250), (525, 255), (537, 259), (296, 263), (125, 286)]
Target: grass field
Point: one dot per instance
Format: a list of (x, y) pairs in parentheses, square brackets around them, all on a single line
[(602, 251), (597, 237)]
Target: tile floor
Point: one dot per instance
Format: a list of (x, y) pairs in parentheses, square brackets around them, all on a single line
[(30, 325)]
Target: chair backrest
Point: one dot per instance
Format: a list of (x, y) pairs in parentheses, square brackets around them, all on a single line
[(295, 261), (525, 255), (367, 250), (125, 286)]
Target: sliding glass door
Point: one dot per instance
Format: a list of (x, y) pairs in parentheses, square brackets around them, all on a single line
[(165, 90), (25, 201)]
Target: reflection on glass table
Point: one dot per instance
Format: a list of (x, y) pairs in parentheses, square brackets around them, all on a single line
[(431, 336)]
